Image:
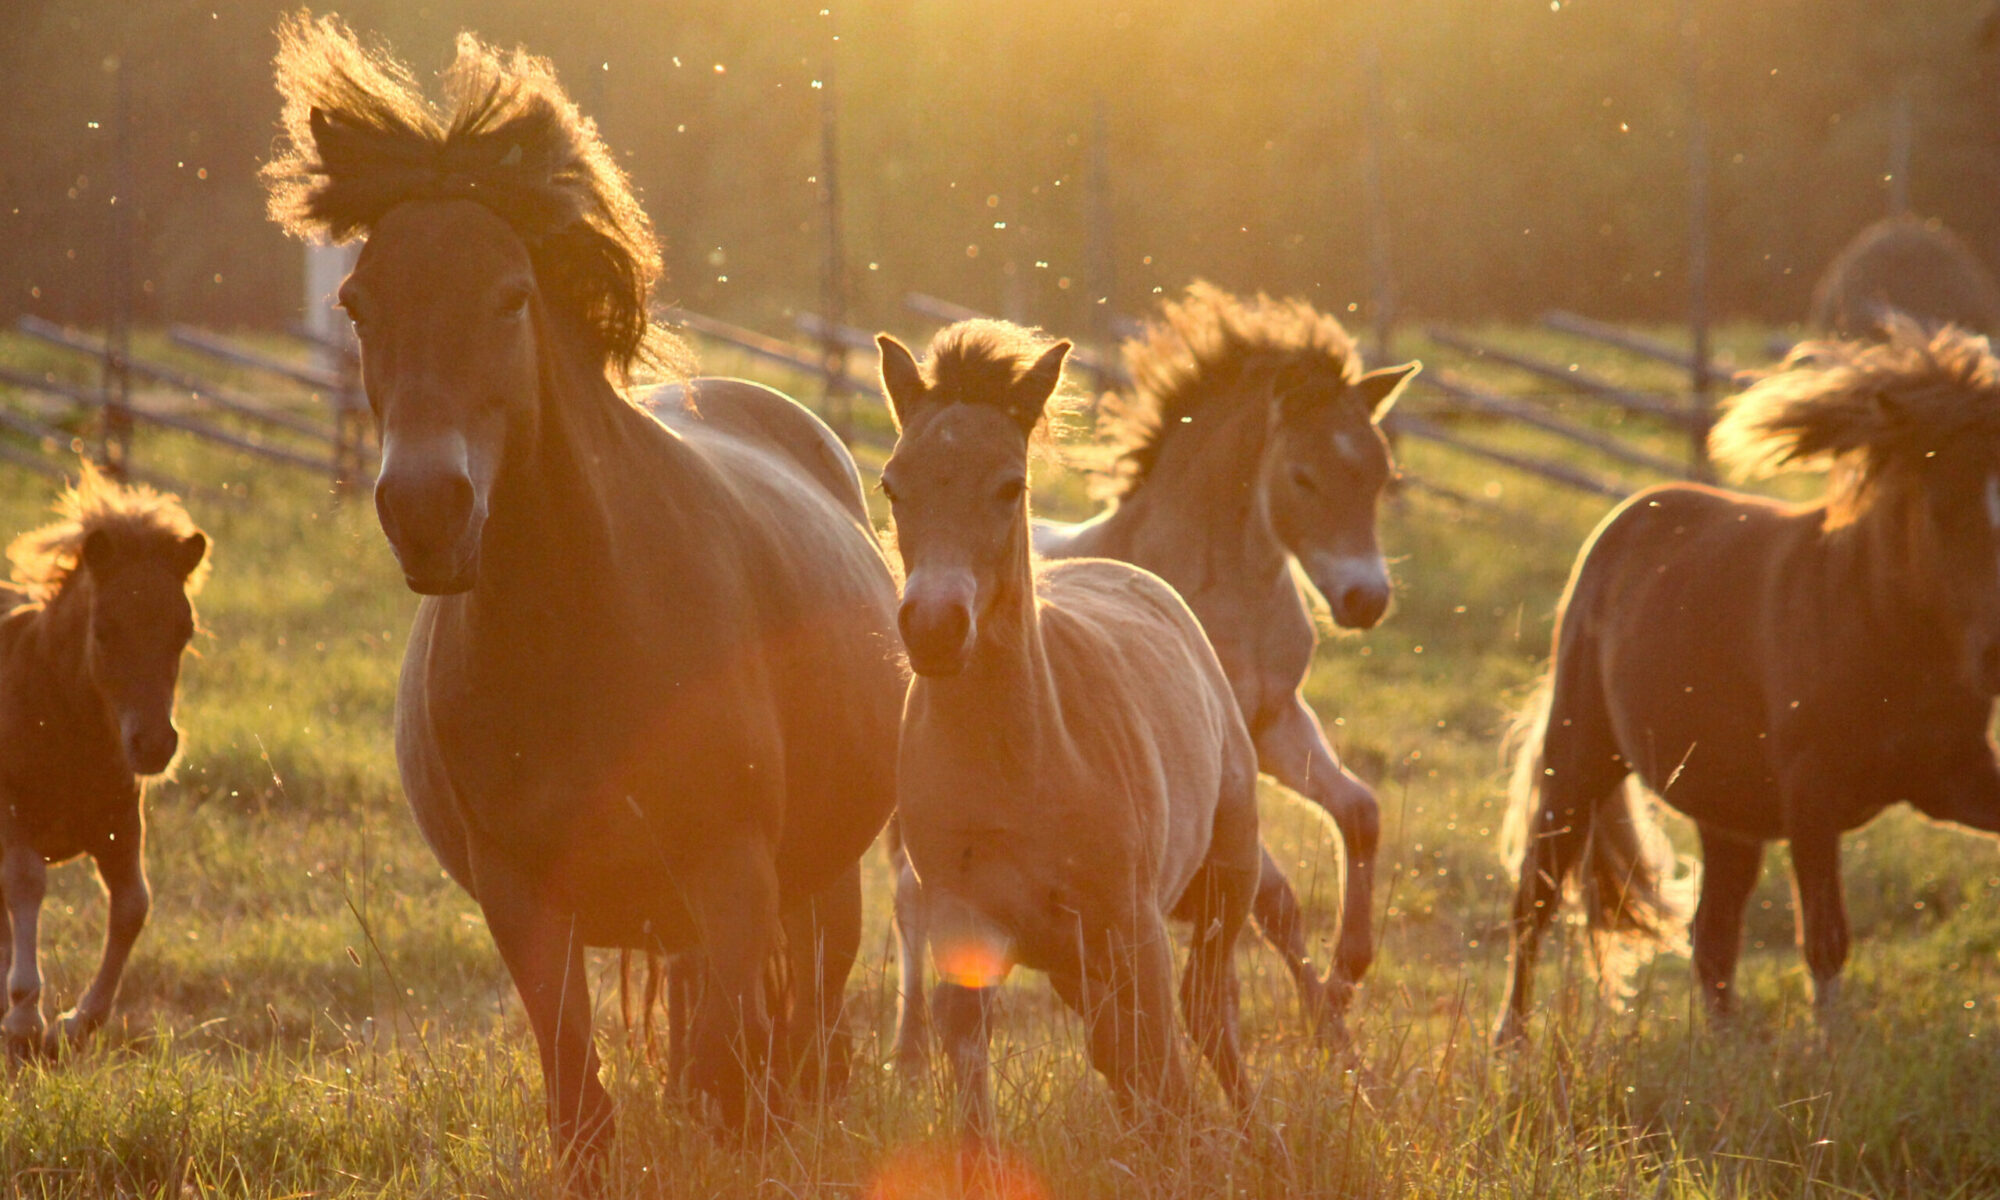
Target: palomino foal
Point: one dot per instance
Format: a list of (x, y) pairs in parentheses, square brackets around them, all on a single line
[(1074, 771), (90, 658)]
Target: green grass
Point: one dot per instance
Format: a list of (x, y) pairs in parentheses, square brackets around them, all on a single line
[(316, 1010)]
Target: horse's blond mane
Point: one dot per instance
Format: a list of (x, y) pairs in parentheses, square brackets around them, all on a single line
[(361, 138), (1863, 408), (1200, 350), (979, 361), (133, 515)]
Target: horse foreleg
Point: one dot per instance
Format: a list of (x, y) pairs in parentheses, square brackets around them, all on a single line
[(1292, 749), (122, 868), (1126, 1000), (734, 899), (1729, 868), (1822, 912), (964, 1018), (24, 880), (544, 956), (912, 1016), (823, 939)]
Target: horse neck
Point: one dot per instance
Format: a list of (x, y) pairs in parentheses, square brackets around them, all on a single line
[(1202, 501), (552, 529), (1007, 681), (51, 664), (1879, 560)]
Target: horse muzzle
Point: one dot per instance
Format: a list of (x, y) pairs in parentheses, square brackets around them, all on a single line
[(1355, 589), (433, 521), (937, 622), (150, 746)]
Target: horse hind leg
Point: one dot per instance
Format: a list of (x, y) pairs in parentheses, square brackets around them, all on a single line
[(1823, 931), (823, 940), (128, 900), (1729, 868), (1209, 992), (1569, 765)]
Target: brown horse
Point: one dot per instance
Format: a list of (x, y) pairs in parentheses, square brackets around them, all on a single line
[(1776, 671), (90, 658), (650, 699), (1074, 771), (1251, 444)]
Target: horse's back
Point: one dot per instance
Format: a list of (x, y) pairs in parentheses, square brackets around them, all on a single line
[(767, 418)]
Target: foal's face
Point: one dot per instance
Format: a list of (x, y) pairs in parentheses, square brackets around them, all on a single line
[(957, 486), (140, 621), (1324, 469), (1964, 491), (444, 299)]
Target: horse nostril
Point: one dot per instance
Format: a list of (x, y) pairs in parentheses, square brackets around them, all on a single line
[(945, 629)]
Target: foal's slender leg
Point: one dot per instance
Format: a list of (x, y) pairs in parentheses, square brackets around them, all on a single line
[(122, 867), (1292, 749), (1126, 999), (1822, 912), (964, 1017), (912, 1016), (1729, 869), (24, 880), (1209, 992)]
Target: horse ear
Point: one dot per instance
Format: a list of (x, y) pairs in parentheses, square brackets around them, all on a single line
[(98, 551), (1036, 384), (188, 555), (1380, 389), (901, 379)]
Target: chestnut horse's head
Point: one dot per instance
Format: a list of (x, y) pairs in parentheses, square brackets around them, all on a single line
[(501, 237), (957, 480), (1324, 468), (1910, 427), (133, 557)]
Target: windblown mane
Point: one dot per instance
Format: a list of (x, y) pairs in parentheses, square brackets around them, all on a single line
[(136, 517), (1863, 409), (1206, 347), (978, 362), (361, 138)]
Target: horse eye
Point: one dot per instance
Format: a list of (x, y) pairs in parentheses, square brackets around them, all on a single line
[(514, 303), (1011, 491), (1302, 480)]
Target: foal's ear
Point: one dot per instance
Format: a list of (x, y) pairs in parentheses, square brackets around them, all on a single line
[(901, 379), (98, 551), (189, 553), (1030, 393), (1381, 388)]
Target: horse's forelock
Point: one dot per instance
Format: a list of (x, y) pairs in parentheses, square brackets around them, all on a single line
[(361, 138), (138, 518)]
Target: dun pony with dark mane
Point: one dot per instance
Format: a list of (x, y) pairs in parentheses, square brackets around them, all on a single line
[(90, 658), (1251, 444), (1073, 769), (1776, 671), (650, 699)]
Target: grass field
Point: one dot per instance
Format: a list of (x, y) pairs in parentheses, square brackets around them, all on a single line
[(315, 1010)]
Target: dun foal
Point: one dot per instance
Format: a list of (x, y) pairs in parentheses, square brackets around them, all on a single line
[(90, 658), (1776, 671), (1073, 771), (1251, 444)]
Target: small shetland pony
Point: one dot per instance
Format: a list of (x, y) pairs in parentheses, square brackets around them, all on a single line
[(651, 697), (1251, 443), (1776, 671), (1074, 771), (90, 658)]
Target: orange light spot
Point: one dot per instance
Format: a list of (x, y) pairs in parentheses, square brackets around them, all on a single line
[(970, 962), (935, 1172)]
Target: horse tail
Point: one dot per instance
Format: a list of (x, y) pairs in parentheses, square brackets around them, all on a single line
[(1634, 901)]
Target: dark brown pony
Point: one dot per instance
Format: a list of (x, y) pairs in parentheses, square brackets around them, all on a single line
[(651, 696), (90, 658), (1776, 671), (1250, 445)]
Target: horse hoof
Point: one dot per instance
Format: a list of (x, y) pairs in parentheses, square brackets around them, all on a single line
[(911, 1065), (68, 1034), (1512, 1033)]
